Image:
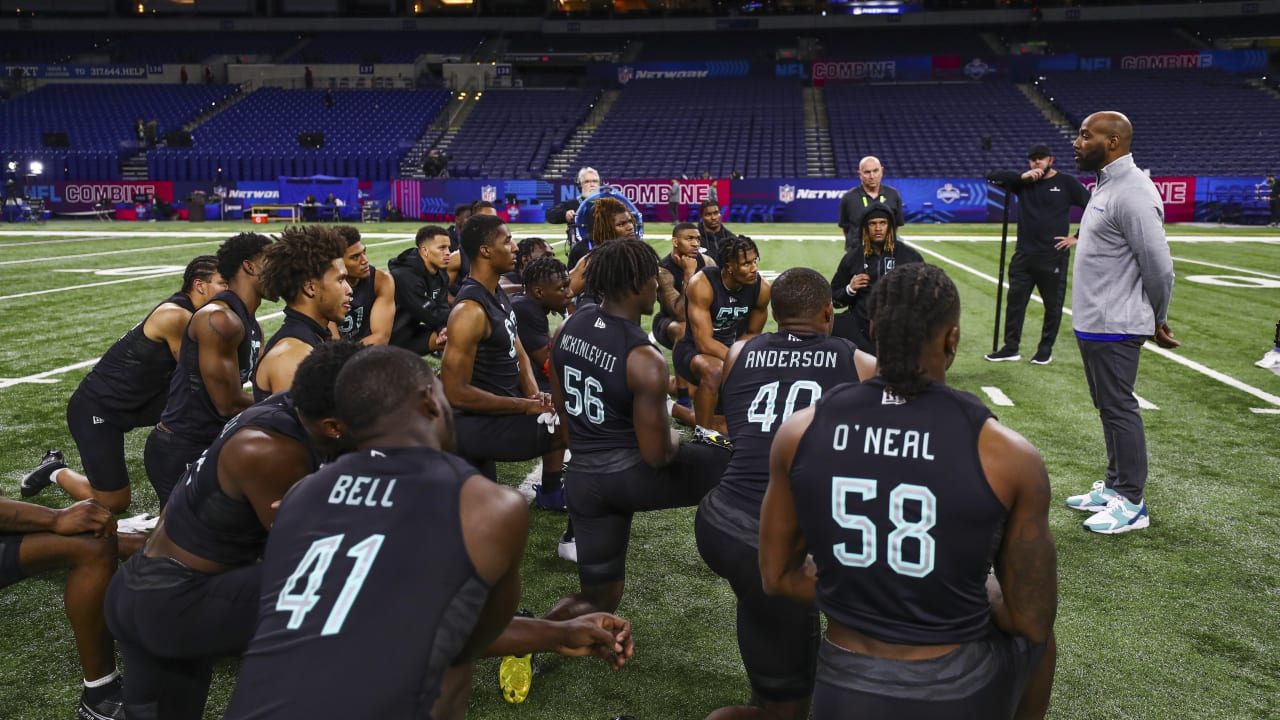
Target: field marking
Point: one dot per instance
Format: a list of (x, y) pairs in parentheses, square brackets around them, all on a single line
[(41, 377), (913, 238), (100, 254), (1266, 411), (53, 242), (1228, 267), (1145, 404), (1192, 364), (997, 396), (87, 285)]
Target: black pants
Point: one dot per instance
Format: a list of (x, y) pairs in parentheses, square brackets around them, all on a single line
[(171, 624), (166, 457), (1047, 274), (1111, 369)]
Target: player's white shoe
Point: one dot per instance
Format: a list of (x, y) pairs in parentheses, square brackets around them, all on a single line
[(1270, 361)]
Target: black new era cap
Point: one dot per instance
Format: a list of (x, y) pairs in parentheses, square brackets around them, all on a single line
[(1039, 150)]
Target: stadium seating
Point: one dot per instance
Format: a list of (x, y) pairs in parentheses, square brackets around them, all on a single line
[(99, 138), (365, 134), (938, 129), (384, 47), (668, 128), (1186, 122), (512, 133)]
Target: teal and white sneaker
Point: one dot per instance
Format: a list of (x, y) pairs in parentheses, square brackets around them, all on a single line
[(1120, 516), (1093, 501)]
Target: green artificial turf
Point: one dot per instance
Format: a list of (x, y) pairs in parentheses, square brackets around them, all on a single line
[(1178, 621)]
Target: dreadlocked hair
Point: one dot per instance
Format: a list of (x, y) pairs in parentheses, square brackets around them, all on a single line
[(547, 267), (302, 253), (888, 238), (525, 248), (602, 219), (735, 248), (621, 267), (202, 267), (907, 306)]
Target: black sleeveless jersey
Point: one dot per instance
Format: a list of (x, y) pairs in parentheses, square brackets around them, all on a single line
[(355, 325), (775, 375), (464, 273), (190, 412), (296, 326), (202, 520), (590, 359), (669, 264), (345, 577), (898, 514), (496, 369), (134, 371), (729, 310)]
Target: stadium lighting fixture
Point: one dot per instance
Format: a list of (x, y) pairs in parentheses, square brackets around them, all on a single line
[(35, 168), (12, 166)]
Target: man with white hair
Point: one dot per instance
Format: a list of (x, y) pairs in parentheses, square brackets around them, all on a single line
[(565, 212), (868, 193)]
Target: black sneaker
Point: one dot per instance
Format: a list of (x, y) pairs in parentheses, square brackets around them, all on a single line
[(39, 479), (108, 707), (1043, 357), (1004, 354)]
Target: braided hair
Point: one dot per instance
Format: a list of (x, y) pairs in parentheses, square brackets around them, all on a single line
[(907, 306), (621, 267), (735, 248), (202, 267), (525, 248)]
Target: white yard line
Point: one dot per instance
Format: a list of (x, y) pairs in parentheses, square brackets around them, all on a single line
[(54, 242), (1266, 411), (28, 261), (1145, 404), (1181, 360), (87, 285), (997, 396), (1228, 267)]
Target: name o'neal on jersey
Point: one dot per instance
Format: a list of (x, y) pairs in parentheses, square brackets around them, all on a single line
[(792, 358), (362, 490), (589, 352), (885, 441)]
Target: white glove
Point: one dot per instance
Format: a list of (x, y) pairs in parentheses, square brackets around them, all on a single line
[(551, 420)]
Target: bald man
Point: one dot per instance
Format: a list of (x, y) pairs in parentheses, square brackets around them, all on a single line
[(1120, 298), (871, 191)]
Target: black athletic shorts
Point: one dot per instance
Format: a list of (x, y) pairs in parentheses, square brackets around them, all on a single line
[(981, 679), (501, 438), (10, 561), (606, 488), (171, 623), (661, 322), (166, 457), (777, 637), (99, 437), (682, 360)]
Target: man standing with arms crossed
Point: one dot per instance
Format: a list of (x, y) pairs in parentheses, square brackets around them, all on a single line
[(867, 194), (1045, 199), (1123, 282)]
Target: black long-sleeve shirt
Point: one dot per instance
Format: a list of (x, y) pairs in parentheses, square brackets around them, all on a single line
[(1044, 208), (422, 297)]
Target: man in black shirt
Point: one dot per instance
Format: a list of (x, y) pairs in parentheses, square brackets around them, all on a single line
[(367, 518), (723, 304), (679, 266), (190, 596), (218, 353), (878, 253), (766, 379), (887, 503), (422, 292), (373, 294), (546, 290), (305, 269), (127, 389), (588, 182), (1043, 252), (871, 191), (712, 233), (487, 374), (610, 387)]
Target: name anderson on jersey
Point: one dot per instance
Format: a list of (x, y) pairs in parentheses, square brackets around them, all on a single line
[(792, 358), (591, 353)]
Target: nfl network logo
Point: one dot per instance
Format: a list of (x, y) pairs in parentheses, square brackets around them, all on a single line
[(786, 193), (488, 193), (624, 74)]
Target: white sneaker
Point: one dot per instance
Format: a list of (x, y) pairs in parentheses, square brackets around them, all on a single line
[(568, 549), (146, 522), (1093, 501), (1120, 516), (1270, 361)]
